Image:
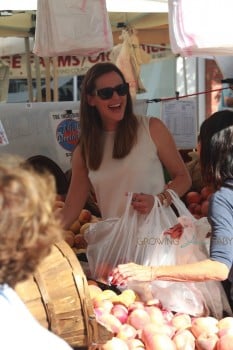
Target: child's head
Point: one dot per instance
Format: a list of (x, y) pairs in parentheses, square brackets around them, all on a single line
[(28, 227), (216, 154)]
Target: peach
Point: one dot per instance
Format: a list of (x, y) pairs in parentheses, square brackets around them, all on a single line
[(120, 312), (115, 343), (84, 216), (75, 227), (138, 318), (181, 321), (204, 207), (155, 313), (225, 342), (184, 339), (206, 191), (206, 324), (192, 197), (84, 227), (105, 304), (135, 344), (127, 332), (110, 322), (206, 341), (225, 322), (94, 290), (158, 341), (79, 241)]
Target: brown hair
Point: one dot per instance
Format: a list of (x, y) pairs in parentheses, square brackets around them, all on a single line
[(91, 125), (28, 226)]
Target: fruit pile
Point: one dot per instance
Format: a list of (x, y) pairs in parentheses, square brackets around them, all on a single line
[(146, 325), (74, 236), (198, 202)]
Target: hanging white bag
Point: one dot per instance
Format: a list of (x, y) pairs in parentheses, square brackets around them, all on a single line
[(72, 27), (193, 34)]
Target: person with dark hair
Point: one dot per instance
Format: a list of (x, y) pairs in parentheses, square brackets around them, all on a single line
[(216, 158), (28, 229), (119, 152)]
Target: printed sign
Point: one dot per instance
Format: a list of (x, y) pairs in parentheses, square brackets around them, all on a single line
[(180, 116), (66, 130), (72, 65)]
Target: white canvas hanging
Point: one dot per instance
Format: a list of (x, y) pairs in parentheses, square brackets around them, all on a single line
[(200, 28), (72, 27)]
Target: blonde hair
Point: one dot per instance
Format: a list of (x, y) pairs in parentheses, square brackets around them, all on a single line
[(28, 226)]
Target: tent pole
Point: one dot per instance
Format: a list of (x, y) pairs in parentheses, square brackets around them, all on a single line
[(55, 79), (29, 72), (47, 79), (38, 79)]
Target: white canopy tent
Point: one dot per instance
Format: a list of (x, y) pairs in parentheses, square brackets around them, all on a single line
[(17, 27)]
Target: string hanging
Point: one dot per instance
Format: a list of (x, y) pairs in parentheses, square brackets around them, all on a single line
[(184, 96)]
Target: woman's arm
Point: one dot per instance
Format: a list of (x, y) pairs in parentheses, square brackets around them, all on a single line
[(199, 271), (78, 190), (170, 157)]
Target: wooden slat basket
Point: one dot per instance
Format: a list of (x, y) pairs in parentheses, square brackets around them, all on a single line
[(58, 296)]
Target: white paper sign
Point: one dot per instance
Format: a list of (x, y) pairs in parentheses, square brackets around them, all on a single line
[(180, 117)]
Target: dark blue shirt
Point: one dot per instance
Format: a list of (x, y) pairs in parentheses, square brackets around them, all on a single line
[(221, 220)]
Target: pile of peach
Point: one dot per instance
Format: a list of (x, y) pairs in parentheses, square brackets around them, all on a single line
[(198, 202), (146, 325)]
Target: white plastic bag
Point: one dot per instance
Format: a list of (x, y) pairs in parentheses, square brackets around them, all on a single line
[(72, 27), (139, 238), (133, 237)]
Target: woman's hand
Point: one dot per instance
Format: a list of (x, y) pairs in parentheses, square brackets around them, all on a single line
[(143, 203), (131, 272)]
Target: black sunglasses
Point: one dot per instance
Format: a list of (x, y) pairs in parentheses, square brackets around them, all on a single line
[(107, 92)]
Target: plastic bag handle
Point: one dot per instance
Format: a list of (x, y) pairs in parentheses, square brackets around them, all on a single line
[(179, 204)]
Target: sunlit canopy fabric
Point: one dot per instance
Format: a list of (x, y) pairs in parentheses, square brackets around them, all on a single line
[(200, 27)]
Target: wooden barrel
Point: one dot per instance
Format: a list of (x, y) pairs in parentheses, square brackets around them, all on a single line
[(58, 296)]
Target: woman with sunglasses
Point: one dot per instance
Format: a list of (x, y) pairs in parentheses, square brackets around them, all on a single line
[(119, 152)]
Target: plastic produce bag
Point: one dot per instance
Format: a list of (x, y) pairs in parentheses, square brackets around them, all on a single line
[(125, 239), (72, 27), (141, 239)]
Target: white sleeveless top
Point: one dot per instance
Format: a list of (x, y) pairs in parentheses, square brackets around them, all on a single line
[(140, 171)]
